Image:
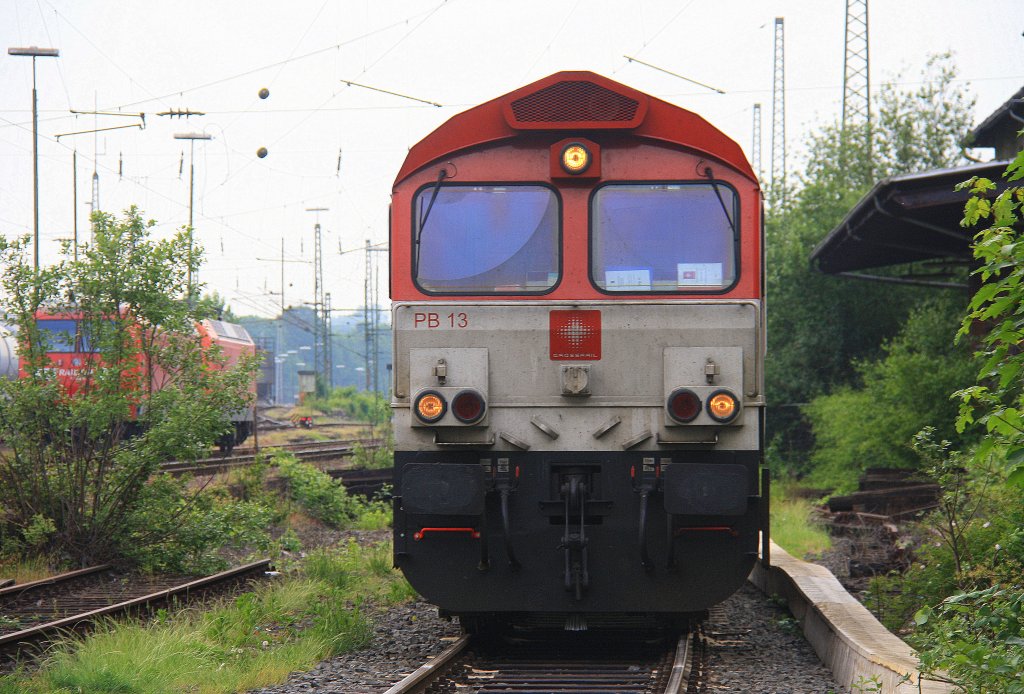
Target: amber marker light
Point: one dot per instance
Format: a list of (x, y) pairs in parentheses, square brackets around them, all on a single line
[(575, 158), (722, 406), (430, 406)]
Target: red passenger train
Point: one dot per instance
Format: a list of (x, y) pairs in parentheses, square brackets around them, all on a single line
[(70, 353), (577, 276)]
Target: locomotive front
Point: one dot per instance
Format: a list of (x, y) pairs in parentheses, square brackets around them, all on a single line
[(578, 346)]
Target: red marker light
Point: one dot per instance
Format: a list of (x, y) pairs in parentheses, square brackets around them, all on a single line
[(468, 406), (683, 405)]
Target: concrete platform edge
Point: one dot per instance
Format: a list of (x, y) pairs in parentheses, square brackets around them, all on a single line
[(845, 635)]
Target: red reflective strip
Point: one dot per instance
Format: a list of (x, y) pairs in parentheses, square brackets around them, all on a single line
[(423, 531)]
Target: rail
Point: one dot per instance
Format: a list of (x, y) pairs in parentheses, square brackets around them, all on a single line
[(610, 665), (306, 451), (41, 632)]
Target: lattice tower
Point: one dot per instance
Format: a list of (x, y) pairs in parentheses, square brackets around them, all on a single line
[(856, 67), (778, 185), (327, 356), (319, 327), (368, 318)]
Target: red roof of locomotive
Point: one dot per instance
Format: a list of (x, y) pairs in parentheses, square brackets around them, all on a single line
[(597, 103)]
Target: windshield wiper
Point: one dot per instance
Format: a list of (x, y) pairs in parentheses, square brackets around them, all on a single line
[(708, 174), (441, 175)]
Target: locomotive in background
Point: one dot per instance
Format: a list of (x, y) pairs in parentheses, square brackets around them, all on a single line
[(70, 353), (579, 335)]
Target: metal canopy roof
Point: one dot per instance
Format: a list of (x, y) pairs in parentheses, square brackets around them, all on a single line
[(905, 219), (1005, 119)]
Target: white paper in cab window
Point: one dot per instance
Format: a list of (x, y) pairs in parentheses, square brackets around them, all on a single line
[(627, 280), (700, 274)]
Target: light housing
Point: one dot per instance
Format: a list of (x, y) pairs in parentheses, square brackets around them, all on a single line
[(722, 406), (430, 406), (468, 406), (575, 158), (683, 405)]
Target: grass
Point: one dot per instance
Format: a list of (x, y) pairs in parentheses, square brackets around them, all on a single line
[(26, 569), (792, 526), (253, 641)]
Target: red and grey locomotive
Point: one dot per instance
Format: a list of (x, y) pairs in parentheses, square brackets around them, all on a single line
[(579, 338)]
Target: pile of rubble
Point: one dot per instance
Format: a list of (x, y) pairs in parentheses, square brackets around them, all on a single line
[(871, 528)]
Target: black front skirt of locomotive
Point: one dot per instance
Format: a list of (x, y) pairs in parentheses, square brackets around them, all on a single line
[(633, 532)]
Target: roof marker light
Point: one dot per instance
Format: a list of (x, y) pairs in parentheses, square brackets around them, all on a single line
[(575, 158)]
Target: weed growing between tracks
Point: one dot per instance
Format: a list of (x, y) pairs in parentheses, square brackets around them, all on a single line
[(255, 640)]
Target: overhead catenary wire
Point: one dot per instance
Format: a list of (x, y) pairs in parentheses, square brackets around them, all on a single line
[(674, 74), (319, 51)]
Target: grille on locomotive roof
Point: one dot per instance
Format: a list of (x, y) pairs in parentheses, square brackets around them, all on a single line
[(574, 101)]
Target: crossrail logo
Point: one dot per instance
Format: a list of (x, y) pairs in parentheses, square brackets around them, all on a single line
[(575, 335)]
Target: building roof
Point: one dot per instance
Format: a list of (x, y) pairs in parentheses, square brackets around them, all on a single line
[(1008, 118), (904, 219)]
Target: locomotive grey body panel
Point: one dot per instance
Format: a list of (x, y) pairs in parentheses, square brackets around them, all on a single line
[(644, 346)]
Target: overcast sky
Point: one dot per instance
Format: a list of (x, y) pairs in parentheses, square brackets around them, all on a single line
[(215, 56)]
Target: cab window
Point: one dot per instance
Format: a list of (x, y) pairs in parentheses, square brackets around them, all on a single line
[(58, 335), (486, 239), (660, 238)]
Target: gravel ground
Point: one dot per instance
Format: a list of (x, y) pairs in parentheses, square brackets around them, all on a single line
[(403, 637), (755, 648)]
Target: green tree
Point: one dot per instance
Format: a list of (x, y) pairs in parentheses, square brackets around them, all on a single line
[(820, 327), (872, 424), (71, 464)]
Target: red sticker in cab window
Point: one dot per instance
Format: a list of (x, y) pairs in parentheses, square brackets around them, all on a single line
[(575, 335)]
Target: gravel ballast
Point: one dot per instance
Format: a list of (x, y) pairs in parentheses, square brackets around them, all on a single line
[(755, 648)]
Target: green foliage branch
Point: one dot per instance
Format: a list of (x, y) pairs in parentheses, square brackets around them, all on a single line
[(976, 635)]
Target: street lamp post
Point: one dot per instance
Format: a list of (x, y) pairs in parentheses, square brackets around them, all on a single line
[(35, 52), (191, 137)]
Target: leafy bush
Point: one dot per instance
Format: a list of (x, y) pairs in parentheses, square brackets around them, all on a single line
[(872, 425), (172, 531), (73, 481), (320, 495), (977, 639), (375, 458), (357, 405)]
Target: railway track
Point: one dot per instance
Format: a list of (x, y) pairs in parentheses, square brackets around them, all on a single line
[(307, 451), (34, 612), (591, 664)]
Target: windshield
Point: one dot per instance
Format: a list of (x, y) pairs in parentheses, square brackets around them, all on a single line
[(488, 240), (663, 238), (57, 335)]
